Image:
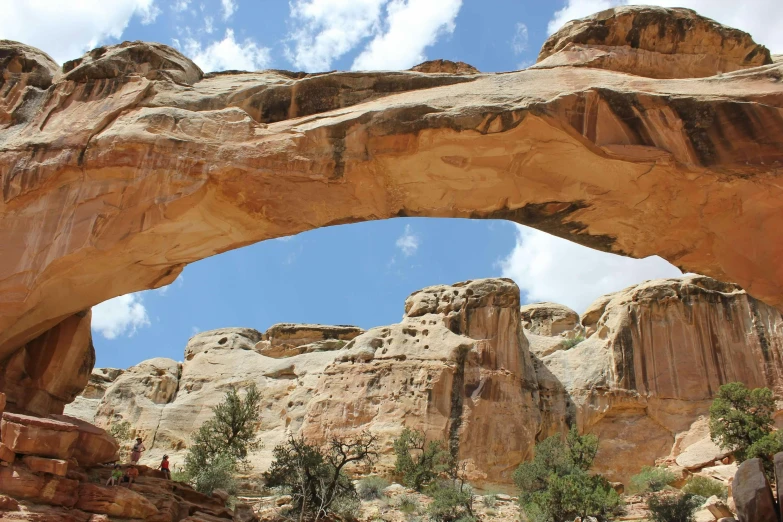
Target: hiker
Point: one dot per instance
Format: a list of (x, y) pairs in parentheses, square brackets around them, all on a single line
[(164, 467), (116, 475), (136, 451), (131, 474)]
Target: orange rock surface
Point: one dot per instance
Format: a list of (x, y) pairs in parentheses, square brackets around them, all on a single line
[(130, 163)]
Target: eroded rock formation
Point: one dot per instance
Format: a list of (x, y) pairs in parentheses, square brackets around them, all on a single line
[(129, 163), (470, 366)]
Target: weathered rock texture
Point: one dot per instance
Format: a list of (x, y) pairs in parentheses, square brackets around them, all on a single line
[(465, 367), (654, 42), (128, 164)]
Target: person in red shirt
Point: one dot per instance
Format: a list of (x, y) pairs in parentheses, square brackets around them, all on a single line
[(164, 467)]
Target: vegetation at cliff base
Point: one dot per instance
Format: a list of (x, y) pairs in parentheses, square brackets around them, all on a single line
[(316, 475), (741, 421), (223, 442), (556, 486), (673, 508), (420, 461), (651, 479)]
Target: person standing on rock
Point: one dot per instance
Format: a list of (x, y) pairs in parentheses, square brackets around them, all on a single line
[(136, 451), (164, 467)]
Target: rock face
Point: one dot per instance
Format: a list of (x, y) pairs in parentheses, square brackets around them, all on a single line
[(454, 367), (653, 42), (465, 366), (658, 353), (127, 165)]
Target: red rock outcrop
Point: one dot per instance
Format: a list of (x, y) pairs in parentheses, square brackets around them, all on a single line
[(37, 436), (119, 171)]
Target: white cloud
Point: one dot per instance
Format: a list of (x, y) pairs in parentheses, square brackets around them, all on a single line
[(412, 25), (229, 6), (122, 315), (327, 29), (763, 19), (227, 54), (66, 30), (519, 43), (179, 6), (209, 26), (549, 268), (400, 30), (408, 242)]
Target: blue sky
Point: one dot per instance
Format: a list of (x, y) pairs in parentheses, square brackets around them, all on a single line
[(354, 274)]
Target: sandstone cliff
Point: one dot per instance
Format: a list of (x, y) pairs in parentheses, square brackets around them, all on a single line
[(468, 365), (128, 163)]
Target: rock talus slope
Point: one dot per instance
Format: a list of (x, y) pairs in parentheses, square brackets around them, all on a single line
[(127, 164), (468, 365)]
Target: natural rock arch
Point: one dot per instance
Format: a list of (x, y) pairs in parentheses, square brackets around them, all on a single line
[(124, 166)]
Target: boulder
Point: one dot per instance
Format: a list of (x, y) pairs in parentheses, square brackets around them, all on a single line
[(6, 453), (114, 501), (244, 513), (700, 454), (287, 339), (778, 463), (93, 445), (37, 436), (42, 465), (717, 507), (444, 67), (752, 494), (550, 319), (8, 503), (20, 483)]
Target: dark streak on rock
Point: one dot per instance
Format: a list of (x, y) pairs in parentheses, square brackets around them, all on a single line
[(551, 217)]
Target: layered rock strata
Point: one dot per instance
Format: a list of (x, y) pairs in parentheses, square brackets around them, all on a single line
[(129, 163), (468, 365)]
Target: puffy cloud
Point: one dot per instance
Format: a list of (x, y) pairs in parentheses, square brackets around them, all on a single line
[(66, 30), (327, 29), (122, 315), (227, 53), (408, 242), (229, 6), (548, 268), (763, 19), (411, 26), (398, 31)]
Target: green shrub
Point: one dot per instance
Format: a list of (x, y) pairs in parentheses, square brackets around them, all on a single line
[(347, 506), (179, 476), (419, 462), (741, 421), (371, 488), (706, 487), (407, 504), (451, 500), (490, 501), (673, 508), (123, 433), (651, 479), (219, 474), (556, 486), (570, 343)]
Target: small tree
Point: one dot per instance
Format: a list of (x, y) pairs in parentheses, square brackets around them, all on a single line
[(316, 476), (741, 421), (419, 462), (556, 486), (223, 441), (706, 487), (673, 508)]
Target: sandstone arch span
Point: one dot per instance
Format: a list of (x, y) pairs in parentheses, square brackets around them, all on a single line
[(124, 166)]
